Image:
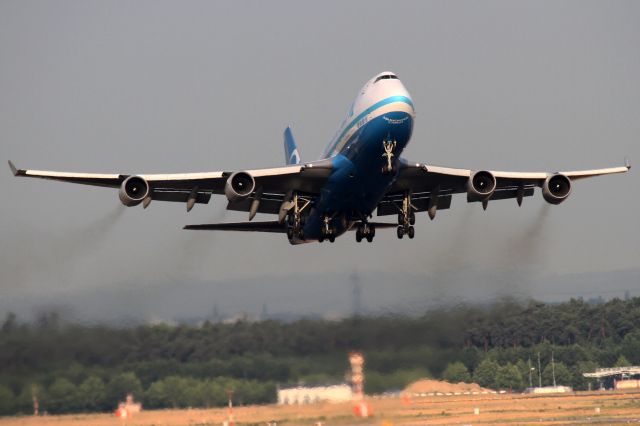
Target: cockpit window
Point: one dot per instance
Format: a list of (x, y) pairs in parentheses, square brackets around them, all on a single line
[(385, 77)]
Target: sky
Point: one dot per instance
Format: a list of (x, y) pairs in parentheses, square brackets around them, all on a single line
[(160, 86)]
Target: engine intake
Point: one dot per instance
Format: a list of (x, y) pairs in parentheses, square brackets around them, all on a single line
[(556, 188), (480, 186), (133, 191), (239, 186)]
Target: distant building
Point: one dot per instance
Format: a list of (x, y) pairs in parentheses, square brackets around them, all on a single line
[(128, 408), (617, 377), (549, 389), (293, 395)]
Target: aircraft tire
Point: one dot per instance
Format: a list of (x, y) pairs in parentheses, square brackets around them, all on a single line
[(411, 232), (400, 232)]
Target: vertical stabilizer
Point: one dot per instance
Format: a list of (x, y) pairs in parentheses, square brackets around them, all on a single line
[(291, 155)]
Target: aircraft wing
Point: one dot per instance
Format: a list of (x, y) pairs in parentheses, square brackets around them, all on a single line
[(269, 226), (273, 184), (431, 187)]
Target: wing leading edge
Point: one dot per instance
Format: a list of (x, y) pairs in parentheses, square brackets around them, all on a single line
[(431, 187), (271, 183)]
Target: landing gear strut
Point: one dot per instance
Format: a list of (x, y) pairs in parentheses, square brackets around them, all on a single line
[(406, 217), (295, 221), (389, 146), (365, 230), (328, 231)]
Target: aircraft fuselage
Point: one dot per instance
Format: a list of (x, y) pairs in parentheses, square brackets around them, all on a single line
[(381, 113)]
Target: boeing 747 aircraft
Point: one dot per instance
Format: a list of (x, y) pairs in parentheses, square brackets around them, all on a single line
[(360, 173)]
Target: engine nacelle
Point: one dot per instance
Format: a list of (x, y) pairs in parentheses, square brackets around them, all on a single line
[(556, 188), (480, 186), (239, 186), (133, 191)]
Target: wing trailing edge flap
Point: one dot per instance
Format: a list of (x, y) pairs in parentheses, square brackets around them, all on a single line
[(270, 226), (391, 205), (507, 193), (180, 196)]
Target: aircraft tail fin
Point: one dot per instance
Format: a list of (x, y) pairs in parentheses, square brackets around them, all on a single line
[(291, 155)]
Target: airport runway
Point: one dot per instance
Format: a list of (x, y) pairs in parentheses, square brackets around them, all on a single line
[(580, 408)]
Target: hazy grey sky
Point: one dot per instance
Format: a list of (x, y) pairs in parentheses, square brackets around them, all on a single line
[(154, 86)]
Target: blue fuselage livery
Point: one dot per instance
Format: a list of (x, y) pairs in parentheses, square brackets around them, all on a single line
[(359, 172), (381, 113)]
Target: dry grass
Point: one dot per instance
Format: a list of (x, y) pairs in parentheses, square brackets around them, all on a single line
[(579, 408)]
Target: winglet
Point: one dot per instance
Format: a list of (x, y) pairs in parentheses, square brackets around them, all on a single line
[(13, 168), (627, 164)]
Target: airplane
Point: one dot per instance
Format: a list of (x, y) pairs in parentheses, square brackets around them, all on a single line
[(360, 172)]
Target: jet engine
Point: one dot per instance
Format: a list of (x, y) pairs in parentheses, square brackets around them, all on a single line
[(239, 186), (133, 191), (556, 188), (480, 186)]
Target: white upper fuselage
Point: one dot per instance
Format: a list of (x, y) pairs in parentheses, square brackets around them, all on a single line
[(382, 94)]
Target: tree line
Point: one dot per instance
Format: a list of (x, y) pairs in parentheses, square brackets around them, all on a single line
[(74, 367)]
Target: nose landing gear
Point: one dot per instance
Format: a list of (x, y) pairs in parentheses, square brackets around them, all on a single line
[(389, 146)]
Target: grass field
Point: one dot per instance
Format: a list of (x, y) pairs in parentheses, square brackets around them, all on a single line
[(514, 409)]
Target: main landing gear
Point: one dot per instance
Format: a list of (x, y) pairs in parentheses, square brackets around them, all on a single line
[(328, 231), (365, 230), (389, 146), (295, 220), (406, 218)]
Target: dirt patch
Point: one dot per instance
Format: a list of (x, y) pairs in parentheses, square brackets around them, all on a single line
[(434, 386)]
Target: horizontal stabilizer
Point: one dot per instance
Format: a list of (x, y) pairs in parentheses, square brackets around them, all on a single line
[(271, 226)]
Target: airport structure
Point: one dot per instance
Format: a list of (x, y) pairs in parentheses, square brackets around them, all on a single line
[(617, 377), (297, 395)]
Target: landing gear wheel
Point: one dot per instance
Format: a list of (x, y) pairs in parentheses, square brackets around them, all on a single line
[(332, 238), (370, 238), (400, 232), (412, 218), (359, 234), (290, 233), (411, 232)]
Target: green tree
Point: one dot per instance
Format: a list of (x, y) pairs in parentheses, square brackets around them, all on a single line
[(122, 385), (622, 362), (485, 374), (7, 400), (509, 377), (456, 372), (61, 397), (156, 395), (562, 373), (92, 394), (631, 347), (579, 381)]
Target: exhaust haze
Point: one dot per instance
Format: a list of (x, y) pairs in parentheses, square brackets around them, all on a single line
[(155, 87)]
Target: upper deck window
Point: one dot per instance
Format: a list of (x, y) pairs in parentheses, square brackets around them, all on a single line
[(385, 77)]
